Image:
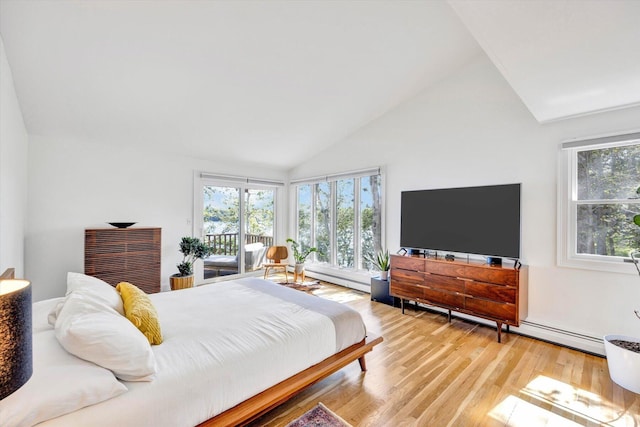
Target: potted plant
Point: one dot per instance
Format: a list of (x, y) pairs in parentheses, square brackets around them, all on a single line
[(300, 257), (382, 261), (623, 353), (192, 249)]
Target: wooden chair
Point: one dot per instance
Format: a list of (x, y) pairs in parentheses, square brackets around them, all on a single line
[(274, 256)]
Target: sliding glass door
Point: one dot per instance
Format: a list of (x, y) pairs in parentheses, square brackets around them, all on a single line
[(238, 223)]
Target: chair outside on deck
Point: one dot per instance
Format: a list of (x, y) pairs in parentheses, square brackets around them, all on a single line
[(274, 256)]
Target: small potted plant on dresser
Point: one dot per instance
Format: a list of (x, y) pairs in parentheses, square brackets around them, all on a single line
[(192, 249), (623, 352)]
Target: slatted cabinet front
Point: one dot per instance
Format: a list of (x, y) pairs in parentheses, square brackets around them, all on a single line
[(124, 255)]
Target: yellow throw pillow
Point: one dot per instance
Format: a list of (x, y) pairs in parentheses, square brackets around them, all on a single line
[(139, 309)]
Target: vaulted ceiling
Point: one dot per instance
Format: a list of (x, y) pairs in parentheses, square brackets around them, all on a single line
[(274, 82)]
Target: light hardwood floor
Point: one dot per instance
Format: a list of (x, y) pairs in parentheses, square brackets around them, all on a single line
[(428, 372)]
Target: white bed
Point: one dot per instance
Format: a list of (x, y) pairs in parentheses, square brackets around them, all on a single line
[(224, 346)]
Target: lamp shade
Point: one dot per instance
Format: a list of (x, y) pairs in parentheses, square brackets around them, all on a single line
[(16, 354)]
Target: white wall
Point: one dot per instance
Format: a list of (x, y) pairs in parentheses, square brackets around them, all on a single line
[(472, 129), (75, 185), (13, 172)]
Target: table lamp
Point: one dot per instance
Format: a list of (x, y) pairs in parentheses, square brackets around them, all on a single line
[(16, 355)]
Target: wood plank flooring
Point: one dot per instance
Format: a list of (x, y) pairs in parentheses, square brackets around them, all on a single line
[(428, 372)]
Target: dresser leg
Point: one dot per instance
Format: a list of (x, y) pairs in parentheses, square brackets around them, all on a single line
[(449, 317), (499, 324), (402, 304)]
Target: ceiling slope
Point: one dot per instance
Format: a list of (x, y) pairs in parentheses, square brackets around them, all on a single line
[(266, 82), (564, 58)]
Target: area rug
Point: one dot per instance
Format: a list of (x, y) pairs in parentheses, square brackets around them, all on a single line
[(320, 416), (306, 287)]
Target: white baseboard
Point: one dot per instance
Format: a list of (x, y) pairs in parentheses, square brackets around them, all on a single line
[(347, 283), (571, 339), (575, 340)]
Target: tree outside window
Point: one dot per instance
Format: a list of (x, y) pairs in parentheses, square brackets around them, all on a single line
[(605, 185), (344, 216)]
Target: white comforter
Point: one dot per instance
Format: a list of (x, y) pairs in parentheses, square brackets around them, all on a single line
[(223, 343)]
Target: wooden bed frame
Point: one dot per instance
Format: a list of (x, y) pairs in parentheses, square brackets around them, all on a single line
[(263, 402)]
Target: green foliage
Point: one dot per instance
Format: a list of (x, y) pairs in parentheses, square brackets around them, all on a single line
[(636, 218), (299, 256), (346, 210), (192, 249), (382, 260), (606, 176), (222, 214)]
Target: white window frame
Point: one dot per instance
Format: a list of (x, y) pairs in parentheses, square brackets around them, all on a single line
[(356, 273), (567, 255)]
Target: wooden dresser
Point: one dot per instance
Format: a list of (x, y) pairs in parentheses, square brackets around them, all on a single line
[(124, 255), (478, 289)]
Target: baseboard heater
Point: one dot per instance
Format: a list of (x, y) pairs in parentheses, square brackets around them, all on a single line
[(582, 342), (338, 280), (562, 337)]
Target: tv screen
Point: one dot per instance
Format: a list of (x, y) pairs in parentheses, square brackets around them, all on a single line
[(473, 220)]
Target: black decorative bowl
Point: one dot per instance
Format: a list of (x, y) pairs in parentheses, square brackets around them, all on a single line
[(121, 224)]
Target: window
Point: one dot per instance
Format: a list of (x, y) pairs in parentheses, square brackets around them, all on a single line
[(599, 201), (341, 215), (345, 222), (235, 217), (322, 205)]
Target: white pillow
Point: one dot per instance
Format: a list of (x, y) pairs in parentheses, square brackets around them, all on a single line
[(40, 311), (95, 332), (100, 288), (61, 383), (103, 291)]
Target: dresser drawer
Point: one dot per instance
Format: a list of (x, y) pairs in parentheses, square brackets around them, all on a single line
[(444, 298), (445, 283), (499, 311), (405, 290), (499, 275), (407, 276), (489, 291), (407, 262), (481, 273)]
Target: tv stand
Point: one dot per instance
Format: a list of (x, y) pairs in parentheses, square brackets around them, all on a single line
[(491, 292)]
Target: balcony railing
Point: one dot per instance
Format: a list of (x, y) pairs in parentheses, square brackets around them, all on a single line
[(227, 243)]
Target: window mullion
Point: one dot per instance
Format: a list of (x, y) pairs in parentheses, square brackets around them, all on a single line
[(313, 221), (333, 244), (357, 233)]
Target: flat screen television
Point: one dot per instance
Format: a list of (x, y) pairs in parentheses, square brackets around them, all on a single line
[(473, 220)]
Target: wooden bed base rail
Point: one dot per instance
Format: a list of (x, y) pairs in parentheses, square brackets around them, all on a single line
[(9, 273), (263, 402)]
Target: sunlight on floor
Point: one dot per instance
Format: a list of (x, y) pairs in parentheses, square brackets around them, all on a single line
[(515, 412), (340, 297), (546, 401)]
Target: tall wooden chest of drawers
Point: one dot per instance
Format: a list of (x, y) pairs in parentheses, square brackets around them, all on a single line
[(124, 255)]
